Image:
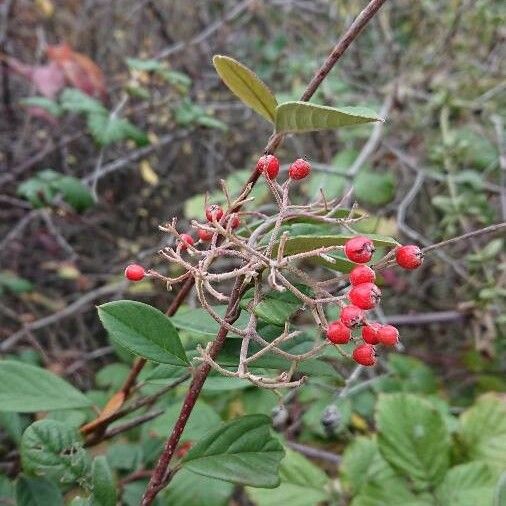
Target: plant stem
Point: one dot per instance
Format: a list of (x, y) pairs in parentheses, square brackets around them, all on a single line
[(158, 479)]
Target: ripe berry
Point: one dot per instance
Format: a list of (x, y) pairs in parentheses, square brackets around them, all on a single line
[(299, 169), (234, 221), (269, 165), (214, 212), (338, 333), (409, 256), (388, 335), (364, 354), (135, 272), (365, 295), (186, 240), (362, 274), (352, 316), (359, 249), (370, 332), (204, 235)]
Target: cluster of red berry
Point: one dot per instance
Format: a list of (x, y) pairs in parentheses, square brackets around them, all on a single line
[(364, 295)]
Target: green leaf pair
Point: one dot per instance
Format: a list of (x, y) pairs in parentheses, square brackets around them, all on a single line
[(296, 117)]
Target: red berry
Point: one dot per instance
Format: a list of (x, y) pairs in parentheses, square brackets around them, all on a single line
[(214, 212), (299, 169), (370, 332), (388, 335), (269, 165), (338, 333), (364, 354), (362, 274), (409, 256), (352, 316), (135, 272), (359, 249), (186, 240), (234, 221), (204, 235), (365, 295)]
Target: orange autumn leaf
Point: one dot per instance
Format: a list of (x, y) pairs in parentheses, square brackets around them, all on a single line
[(114, 404), (80, 71)]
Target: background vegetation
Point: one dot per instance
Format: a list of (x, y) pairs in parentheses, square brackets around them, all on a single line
[(104, 139)]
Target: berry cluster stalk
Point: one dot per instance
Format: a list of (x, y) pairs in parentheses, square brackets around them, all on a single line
[(160, 476)]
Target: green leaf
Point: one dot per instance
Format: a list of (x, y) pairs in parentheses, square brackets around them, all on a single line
[(149, 65), (483, 430), (37, 492), (467, 485), (143, 330), (183, 491), (26, 389), (300, 117), (199, 321), (12, 424), (302, 484), (274, 307), (103, 483), (413, 437), (247, 86), (108, 128), (12, 283), (52, 449), (73, 192), (303, 243), (74, 100), (203, 419), (124, 456), (45, 103), (374, 188), (362, 463), (241, 451)]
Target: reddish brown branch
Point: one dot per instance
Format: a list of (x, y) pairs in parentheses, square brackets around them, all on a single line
[(160, 478)]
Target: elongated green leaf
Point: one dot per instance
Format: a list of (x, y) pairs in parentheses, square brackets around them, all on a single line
[(74, 100), (413, 437), (467, 485), (183, 491), (300, 117), (274, 307), (37, 492), (302, 243), (106, 129), (52, 449), (104, 487), (44, 103), (199, 321), (25, 389), (483, 430), (302, 484), (242, 451), (143, 330), (246, 85)]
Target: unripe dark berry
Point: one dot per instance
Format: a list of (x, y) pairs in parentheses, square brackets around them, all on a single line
[(359, 249), (186, 240), (365, 295), (233, 220), (214, 212), (370, 332), (362, 274), (388, 335), (409, 257), (135, 272), (299, 169), (338, 333), (352, 316), (364, 354), (204, 235), (269, 165)]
